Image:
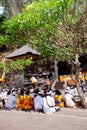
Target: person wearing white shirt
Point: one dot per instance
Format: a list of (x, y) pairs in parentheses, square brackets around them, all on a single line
[(49, 104), (69, 99), (38, 102), (11, 100), (73, 91)]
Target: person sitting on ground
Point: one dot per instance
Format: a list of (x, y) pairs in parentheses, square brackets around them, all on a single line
[(31, 91), (4, 96), (38, 104), (19, 99), (73, 91), (28, 102), (1, 99), (49, 104), (59, 100), (69, 101), (82, 86), (11, 100)]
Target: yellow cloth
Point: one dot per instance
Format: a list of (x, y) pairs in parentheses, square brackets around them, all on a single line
[(28, 103), (19, 102), (59, 100), (33, 80), (2, 80)]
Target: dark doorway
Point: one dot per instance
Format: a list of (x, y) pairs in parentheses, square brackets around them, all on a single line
[(64, 68), (83, 60)]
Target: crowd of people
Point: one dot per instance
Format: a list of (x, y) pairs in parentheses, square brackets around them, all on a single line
[(44, 99)]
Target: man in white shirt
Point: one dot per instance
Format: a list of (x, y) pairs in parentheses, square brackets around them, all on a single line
[(38, 102), (69, 99), (49, 104), (11, 100)]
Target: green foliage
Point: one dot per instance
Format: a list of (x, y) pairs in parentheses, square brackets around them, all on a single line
[(2, 37), (1, 65), (20, 64), (51, 26), (47, 51), (2, 40), (17, 65)]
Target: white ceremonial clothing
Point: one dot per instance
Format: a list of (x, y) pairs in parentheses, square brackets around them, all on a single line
[(1, 97), (38, 103), (68, 100), (11, 102), (4, 96), (73, 91), (49, 105)]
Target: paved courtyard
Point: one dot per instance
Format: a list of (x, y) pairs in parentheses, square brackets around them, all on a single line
[(66, 119)]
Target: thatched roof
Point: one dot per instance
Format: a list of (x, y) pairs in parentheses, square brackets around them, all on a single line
[(22, 51)]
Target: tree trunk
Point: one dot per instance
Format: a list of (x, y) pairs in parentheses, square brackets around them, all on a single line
[(15, 6), (3, 75), (56, 70), (83, 103), (77, 64)]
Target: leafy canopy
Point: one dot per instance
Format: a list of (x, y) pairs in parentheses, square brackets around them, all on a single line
[(49, 26), (18, 65)]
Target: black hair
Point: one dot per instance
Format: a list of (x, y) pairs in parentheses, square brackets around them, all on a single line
[(36, 91), (57, 92), (22, 91)]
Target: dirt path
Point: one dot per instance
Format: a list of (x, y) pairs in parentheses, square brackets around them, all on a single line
[(66, 119)]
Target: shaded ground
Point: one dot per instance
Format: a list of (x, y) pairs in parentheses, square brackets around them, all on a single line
[(66, 119)]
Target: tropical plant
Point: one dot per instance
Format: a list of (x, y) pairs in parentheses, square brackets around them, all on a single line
[(20, 64), (16, 65)]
